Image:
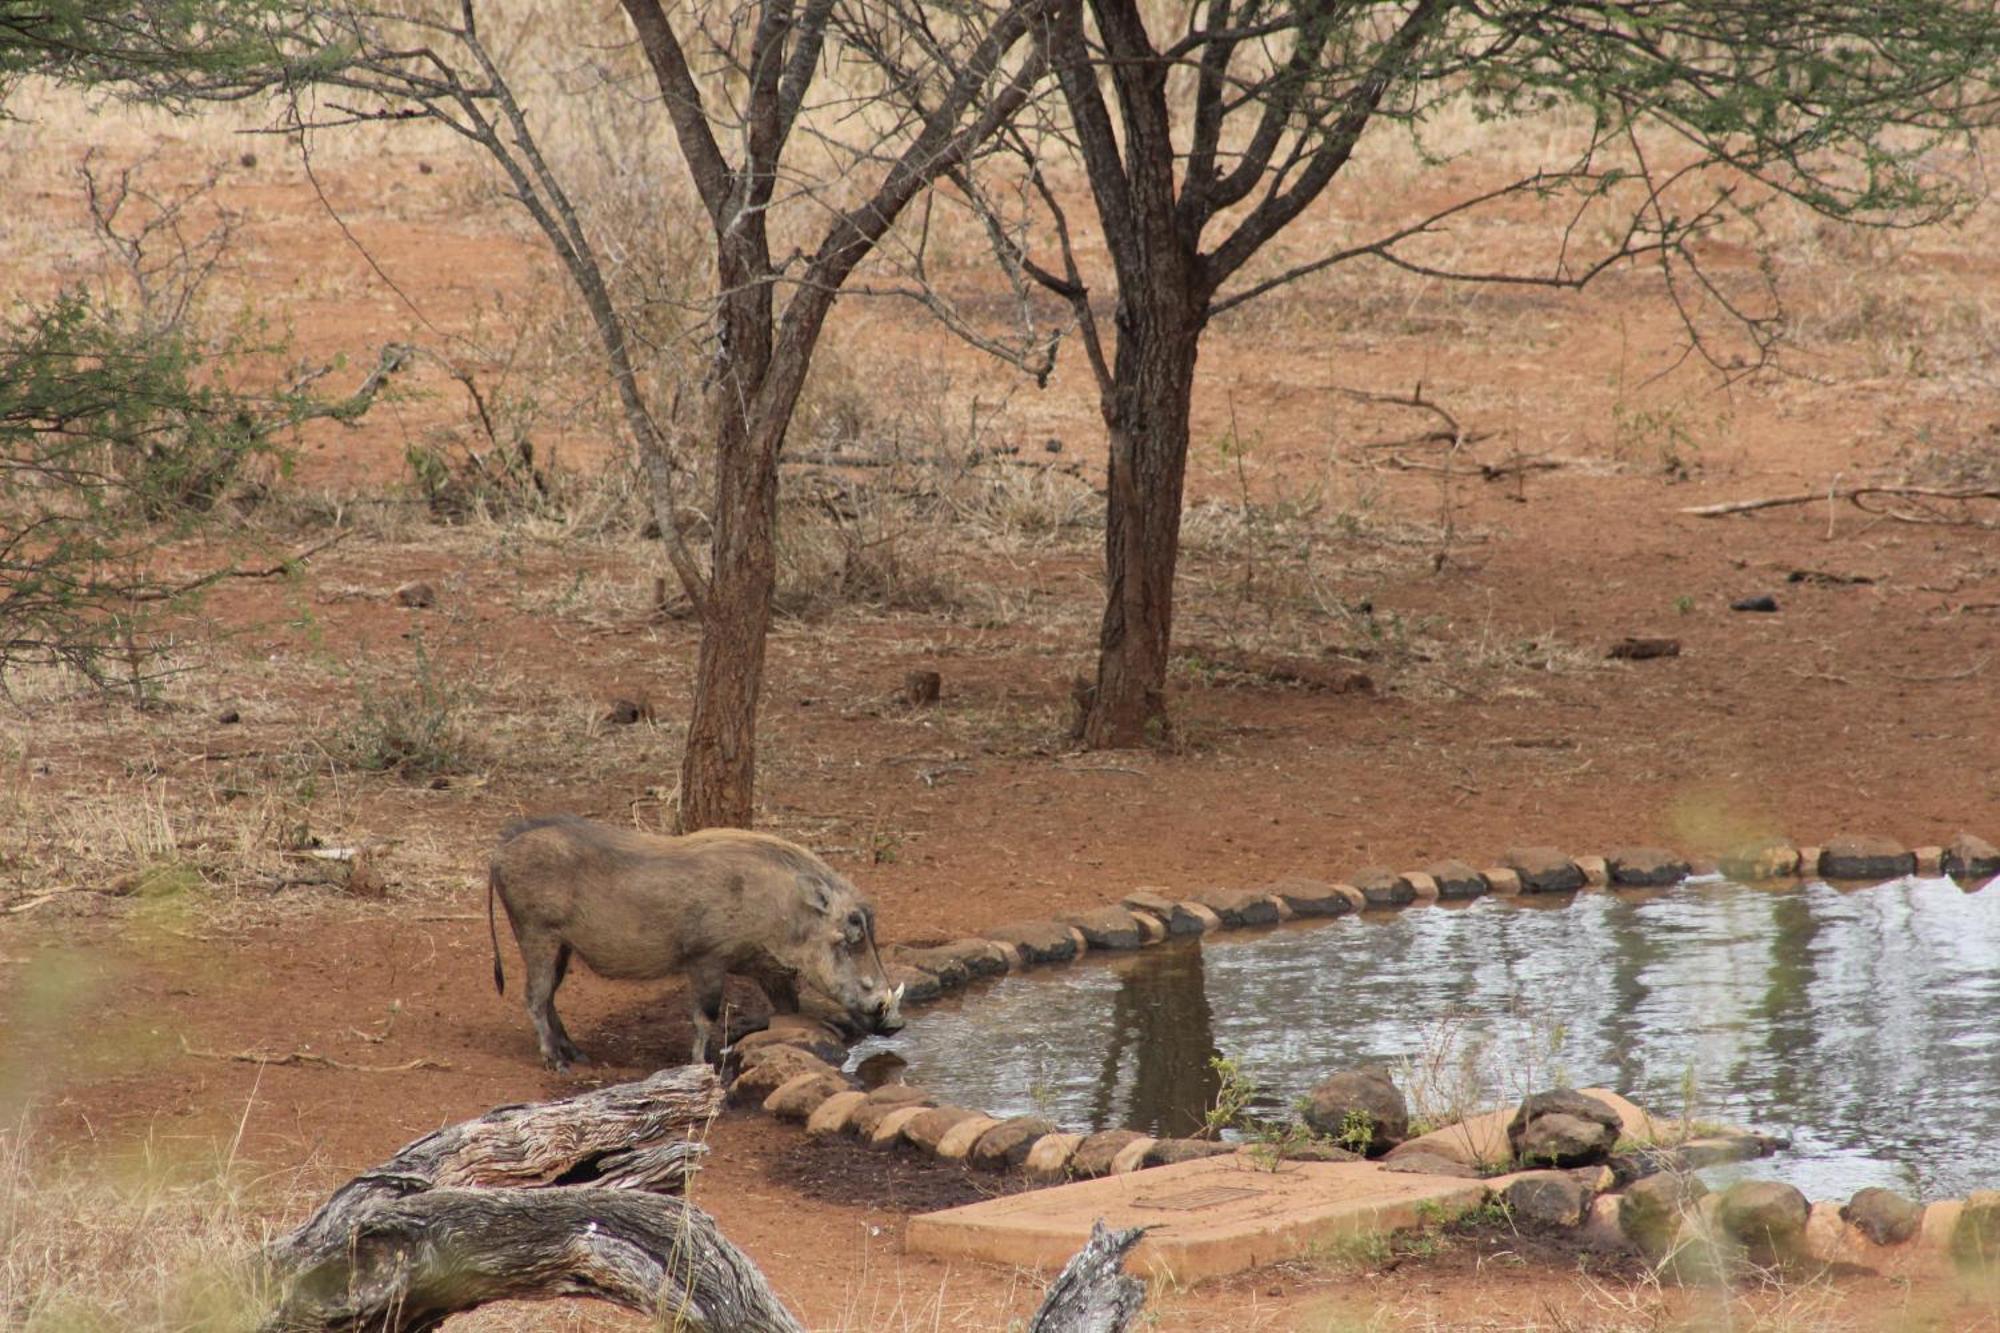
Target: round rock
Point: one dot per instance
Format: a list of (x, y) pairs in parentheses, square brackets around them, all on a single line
[(1646, 868), (799, 1098), (1650, 1210), (1580, 1130), (1543, 870), (1548, 1199), (1096, 1153), (1884, 1216), (927, 1130), (1358, 1102), (1767, 1218), (1866, 857), (1007, 1143), (1038, 941)]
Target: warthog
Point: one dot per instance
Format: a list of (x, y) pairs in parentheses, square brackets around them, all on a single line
[(636, 907)]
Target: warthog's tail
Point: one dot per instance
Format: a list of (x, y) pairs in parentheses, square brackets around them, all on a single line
[(493, 931)]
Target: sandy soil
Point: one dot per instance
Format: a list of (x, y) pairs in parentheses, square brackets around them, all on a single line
[(1864, 705)]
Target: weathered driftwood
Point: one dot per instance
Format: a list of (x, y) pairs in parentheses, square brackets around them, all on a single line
[(409, 1263), (1093, 1294), (568, 1198), (523, 1201)]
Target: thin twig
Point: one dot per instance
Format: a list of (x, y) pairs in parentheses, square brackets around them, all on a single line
[(309, 1058)]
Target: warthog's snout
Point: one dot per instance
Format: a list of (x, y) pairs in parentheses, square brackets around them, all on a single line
[(888, 1017)]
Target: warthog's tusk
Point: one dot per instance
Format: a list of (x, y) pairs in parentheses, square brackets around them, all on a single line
[(894, 1009)]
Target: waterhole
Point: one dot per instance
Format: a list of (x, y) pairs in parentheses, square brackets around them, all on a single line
[(1862, 1023)]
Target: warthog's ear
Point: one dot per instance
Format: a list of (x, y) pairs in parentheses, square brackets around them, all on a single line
[(819, 895)]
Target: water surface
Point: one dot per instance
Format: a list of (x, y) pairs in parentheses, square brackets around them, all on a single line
[(1863, 1023)]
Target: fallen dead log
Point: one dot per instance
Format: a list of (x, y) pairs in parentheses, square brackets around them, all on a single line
[(576, 1198), (1093, 1294), (409, 1263), (634, 1135)]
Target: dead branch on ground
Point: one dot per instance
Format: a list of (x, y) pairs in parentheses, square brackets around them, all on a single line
[(1868, 499), (577, 1198)]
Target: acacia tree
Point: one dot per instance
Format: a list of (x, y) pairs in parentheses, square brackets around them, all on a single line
[(1207, 130), (742, 84), (124, 421)]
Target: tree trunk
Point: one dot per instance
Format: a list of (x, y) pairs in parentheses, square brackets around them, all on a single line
[(719, 764), (1146, 415)]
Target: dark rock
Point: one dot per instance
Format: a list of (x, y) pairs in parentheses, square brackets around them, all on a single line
[(228, 717), (942, 962), (1975, 1241), (816, 1041), (766, 1068), (1762, 860), (1646, 868), (1643, 650), (1971, 857), (1166, 1152), (1721, 1148), (1241, 907), (921, 688), (1580, 1130), (1762, 602), (1866, 857), (1456, 879), (885, 1099), (1650, 1210), (1547, 1199), (1309, 897), (930, 1127), (1038, 941), (625, 712), (1108, 928), (880, 1070), (1768, 1219), (1094, 1155), (1185, 921), (1358, 1102), (1543, 870), (1430, 1164), (1007, 1143), (416, 594), (919, 986), (1383, 887), (1884, 1216), (1149, 902), (798, 1103), (1562, 1140), (982, 958)]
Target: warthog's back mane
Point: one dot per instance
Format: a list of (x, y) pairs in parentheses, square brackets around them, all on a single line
[(633, 843)]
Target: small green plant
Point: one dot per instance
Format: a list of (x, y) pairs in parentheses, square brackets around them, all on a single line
[(1357, 1131), (1269, 1142), (1684, 604), (1233, 1092), (414, 728)]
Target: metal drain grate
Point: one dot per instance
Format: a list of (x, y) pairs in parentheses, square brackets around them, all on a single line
[(1188, 1200)]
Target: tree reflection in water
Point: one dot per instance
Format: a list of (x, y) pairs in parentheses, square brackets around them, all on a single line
[(1160, 1045)]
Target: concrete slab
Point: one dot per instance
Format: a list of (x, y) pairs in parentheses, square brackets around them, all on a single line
[(1203, 1218)]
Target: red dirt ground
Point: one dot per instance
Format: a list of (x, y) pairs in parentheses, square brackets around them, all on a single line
[(1859, 707)]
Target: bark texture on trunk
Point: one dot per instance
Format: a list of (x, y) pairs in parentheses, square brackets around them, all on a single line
[(1146, 415)]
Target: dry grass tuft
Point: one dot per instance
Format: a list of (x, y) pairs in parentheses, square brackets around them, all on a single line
[(150, 1244)]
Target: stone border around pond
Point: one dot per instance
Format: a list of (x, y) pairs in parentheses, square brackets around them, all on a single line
[(792, 1068)]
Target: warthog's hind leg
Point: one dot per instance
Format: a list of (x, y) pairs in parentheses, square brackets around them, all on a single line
[(705, 1006), (547, 961)]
